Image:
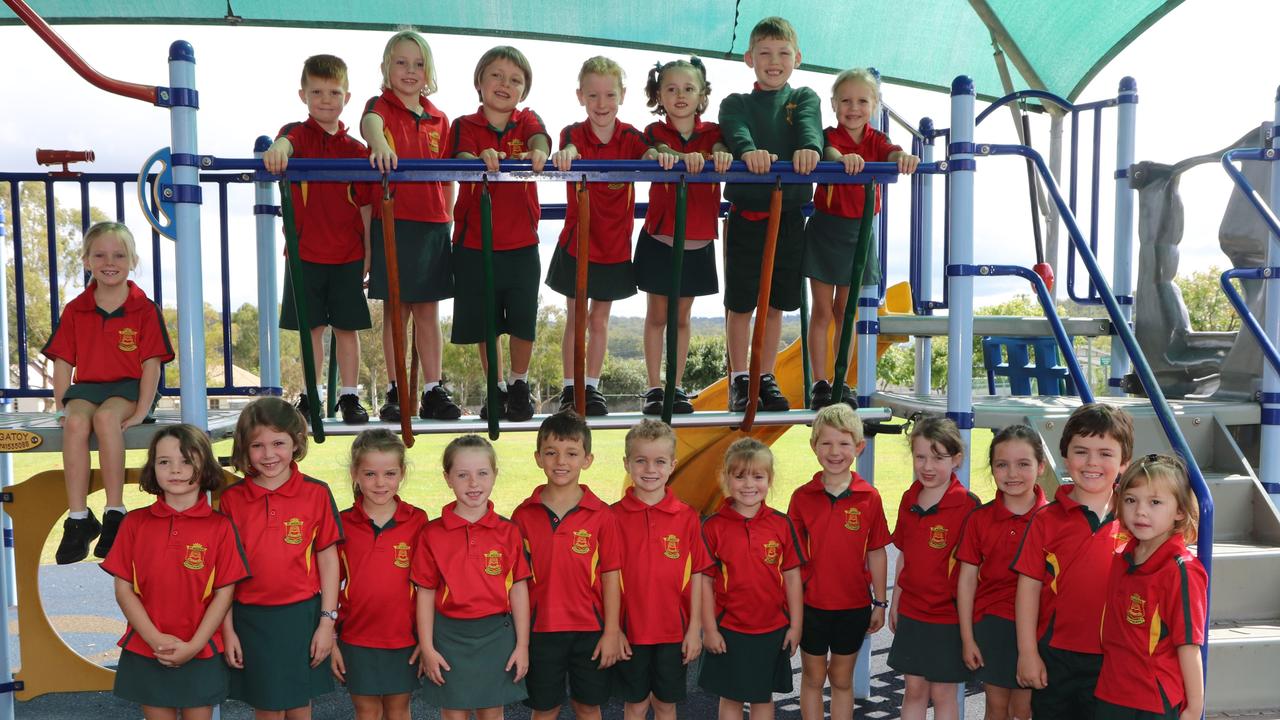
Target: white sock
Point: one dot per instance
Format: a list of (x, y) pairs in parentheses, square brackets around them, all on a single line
[(428, 387), (502, 385), (568, 382), (592, 382), (736, 375), (118, 508), (517, 377), (346, 391), (78, 514)]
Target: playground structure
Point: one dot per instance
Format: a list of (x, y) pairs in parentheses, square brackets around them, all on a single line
[(1223, 439)]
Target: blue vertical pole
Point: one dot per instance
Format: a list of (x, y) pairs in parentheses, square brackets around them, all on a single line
[(924, 345), (265, 211), (1270, 460), (185, 193), (1122, 268), (960, 311)]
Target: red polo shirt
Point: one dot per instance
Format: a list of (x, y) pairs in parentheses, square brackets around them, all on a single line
[(515, 205), (1151, 609), (836, 534), (282, 530), (848, 201), (376, 607), (662, 552), (327, 214), (175, 560), (470, 565), (413, 137), (568, 556), (702, 201), (989, 539), (750, 555), (927, 538), (1069, 550), (109, 346), (613, 205)]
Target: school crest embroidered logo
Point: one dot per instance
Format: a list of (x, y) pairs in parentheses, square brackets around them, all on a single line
[(128, 340), (617, 186), (1137, 614), (853, 519), (516, 147), (772, 551), (671, 547), (581, 542), (195, 557), (938, 537), (401, 557), (493, 562), (433, 142), (293, 531), (1122, 537), (791, 108)]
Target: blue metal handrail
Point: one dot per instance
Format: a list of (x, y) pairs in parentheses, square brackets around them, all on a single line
[(1246, 315), (1246, 188)]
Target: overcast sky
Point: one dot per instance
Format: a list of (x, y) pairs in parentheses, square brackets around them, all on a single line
[(1204, 78)]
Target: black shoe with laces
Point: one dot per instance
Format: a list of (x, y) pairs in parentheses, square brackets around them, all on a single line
[(653, 401), (353, 413), (566, 399), (681, 405), (502, 405), (390, 410), (739, 391), (519, 402), (820, 395), (596, 406), (437, 405), (849, 398), (111, 520), (303, 406), (771, 397), (76, 536)]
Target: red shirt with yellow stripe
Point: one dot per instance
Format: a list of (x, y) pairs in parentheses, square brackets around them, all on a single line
[(927, 538), (989, 540), (175, 560), (327, 214), (750, 555), (1151, 609), (1069, 550), (613, 205), (470, 565), (849, 201), (662, 554), (376, 606), (109, 346), (568, 557), (515, 205), (836, 533), (282, 530), (702, 200), (413, 136)]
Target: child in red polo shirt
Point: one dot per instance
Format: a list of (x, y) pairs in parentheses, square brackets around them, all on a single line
[(926, 640), (403, 123), (333, 226), (839, 518), (377, 652), (752, 598), (473, 601), (1154, 619), (498, 131), (662, 556), (280, 629), (114, 338), (609, 275), (574, 550), (679, 91), (175, 564), (831, 234), (986, 585)]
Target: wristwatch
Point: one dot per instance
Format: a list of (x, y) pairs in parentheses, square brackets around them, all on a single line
[(879, 603), (331, 614)]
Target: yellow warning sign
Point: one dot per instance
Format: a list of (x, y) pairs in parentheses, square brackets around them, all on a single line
[(18, 441)]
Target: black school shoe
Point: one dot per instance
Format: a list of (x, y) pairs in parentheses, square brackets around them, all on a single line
[(519, 402), (390, 410), (596, 406), (849, 398), (653, 401), (502, 405), (820, 395), (76, 536), (566, 398), (681, 405), (353, 413), (437, 405), (739, 391), (771, 397), (111, 520)]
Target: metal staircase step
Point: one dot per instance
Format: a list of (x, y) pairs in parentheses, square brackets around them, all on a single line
[(1233, 498), (1243, 657), (1246, 582)]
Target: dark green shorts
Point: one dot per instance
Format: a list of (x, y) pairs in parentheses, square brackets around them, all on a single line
[(1109, 711), (424, 259), (1073, 676), (840, 632), (930, 650), (477, 652), (744, 251), (555, 656), (830, 243), (744, 672), (379, 671), (335, 297), (657, 669), (654, 260), (606, 282), (515, 280), (276, 640), (997, 638), (198, 683), (97, 393)]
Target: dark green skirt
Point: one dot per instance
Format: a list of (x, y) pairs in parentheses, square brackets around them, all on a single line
[(829, 246), (198, 683), (276, 640), (654, 260), (379, 671), (98, 392), (751, 669), (930, 650), (423, 257), (477, 652), (997, 638), (605, 282)]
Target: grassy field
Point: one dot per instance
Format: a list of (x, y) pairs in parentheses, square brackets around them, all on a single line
[(518, 475)]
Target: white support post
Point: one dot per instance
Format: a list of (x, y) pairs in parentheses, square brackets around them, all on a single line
[(924, 344), (1269, 464), (1122, 266), (960, 310), (265, 211)]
